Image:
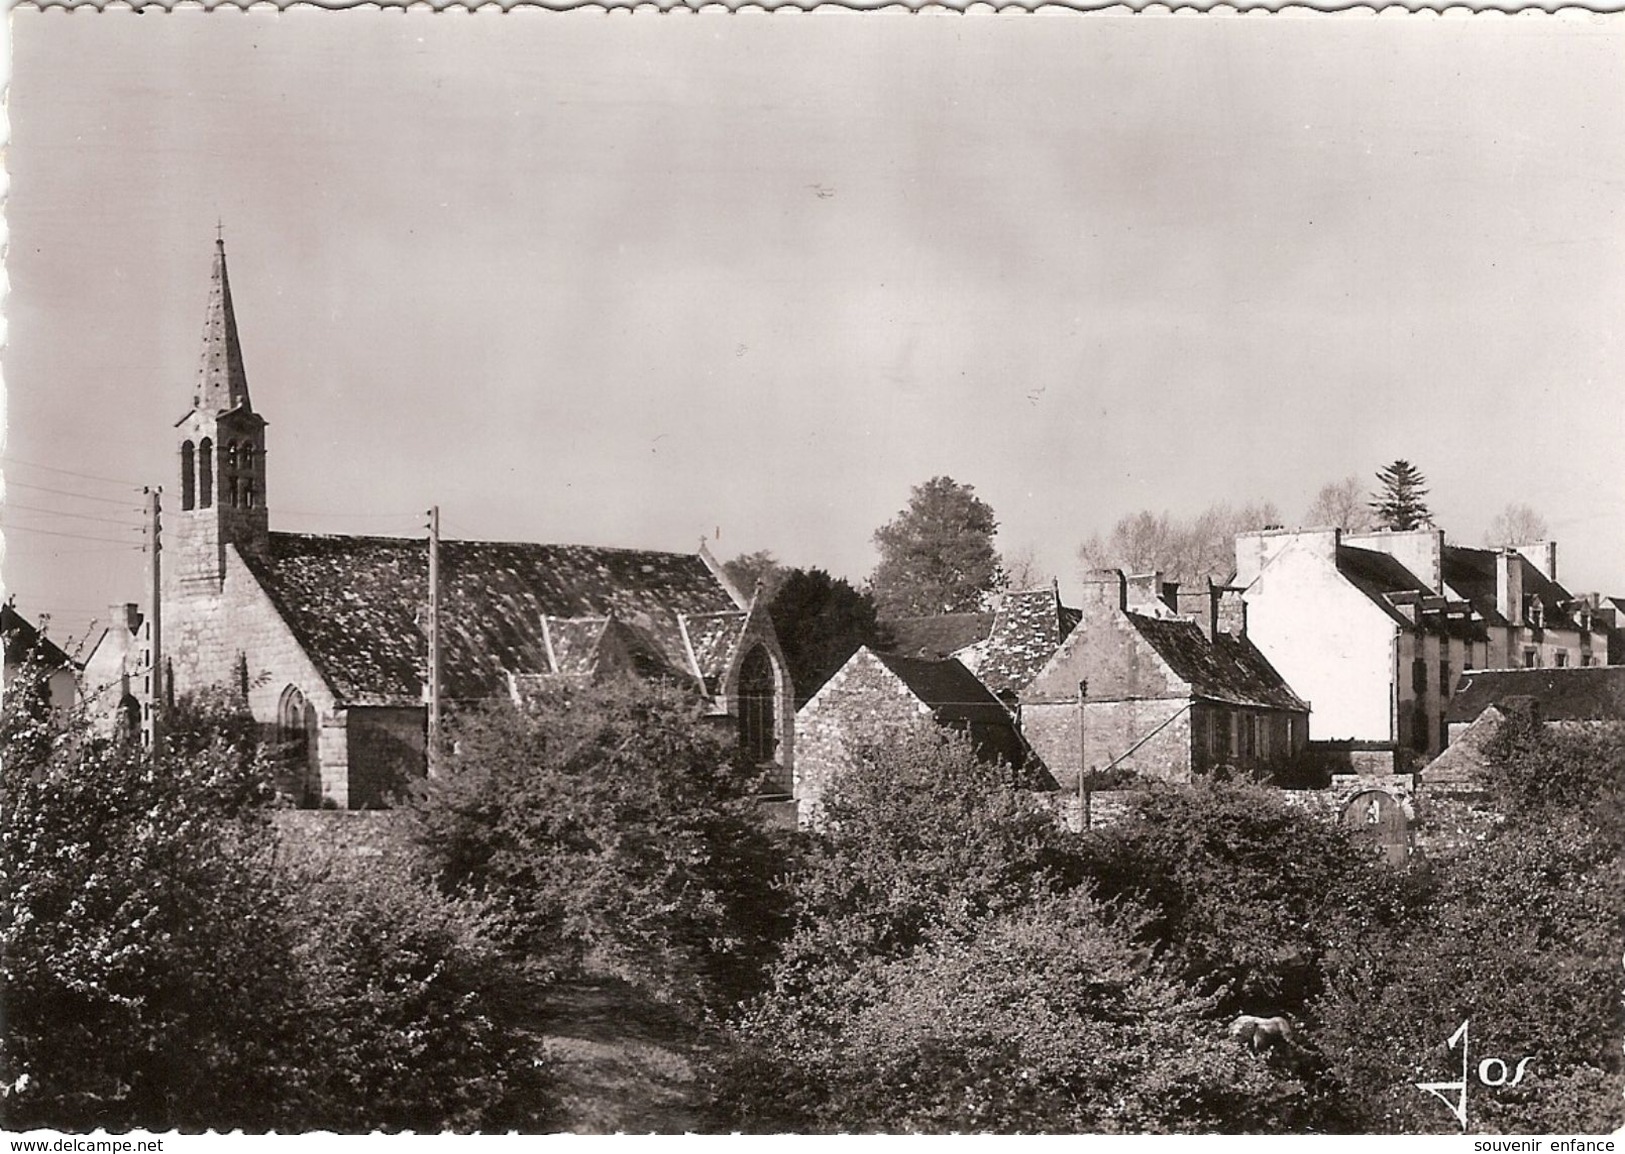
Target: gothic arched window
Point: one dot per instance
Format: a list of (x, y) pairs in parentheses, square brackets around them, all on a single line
[(296, 735), (205, 462), (757, 701), (188, 476)]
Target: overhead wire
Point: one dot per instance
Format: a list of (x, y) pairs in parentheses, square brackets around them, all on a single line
[(69, 493), (70, 472), (60, 513), (75, 536)]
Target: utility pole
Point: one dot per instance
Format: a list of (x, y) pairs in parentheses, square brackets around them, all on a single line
[(156, 695), (1084, 815), (432, 689)]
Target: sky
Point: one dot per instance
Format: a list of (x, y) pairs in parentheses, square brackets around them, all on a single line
[(639, 279)]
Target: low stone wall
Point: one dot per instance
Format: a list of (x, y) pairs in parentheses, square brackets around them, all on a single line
[(380, 833)]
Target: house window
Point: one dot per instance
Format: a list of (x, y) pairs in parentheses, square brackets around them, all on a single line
[(1444, 679), (1419, 676), (1561, 658), (1531, 657), (757, 699), (188, 475), (1444, 733)]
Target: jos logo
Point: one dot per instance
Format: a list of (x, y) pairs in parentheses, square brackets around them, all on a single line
[(1491, 1072)]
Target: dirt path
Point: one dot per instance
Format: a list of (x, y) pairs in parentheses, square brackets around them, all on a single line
[(622, 1061)]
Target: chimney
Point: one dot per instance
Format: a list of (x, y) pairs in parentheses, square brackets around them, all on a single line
[(126, 616), (1143, 589), (1509, 585), (1198, 603), (1105, 589), (1229, 611), (1542, 555)]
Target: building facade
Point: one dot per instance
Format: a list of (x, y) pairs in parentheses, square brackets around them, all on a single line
[(1140, 687), (326, 636)]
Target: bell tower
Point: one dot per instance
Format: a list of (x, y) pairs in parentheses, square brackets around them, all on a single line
[(221, 456)]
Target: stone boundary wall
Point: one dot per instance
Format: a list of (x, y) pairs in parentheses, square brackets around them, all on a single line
[(1444, 816), (379, 833)]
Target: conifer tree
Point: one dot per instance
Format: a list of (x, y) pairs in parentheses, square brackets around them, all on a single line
[(1398, 504)]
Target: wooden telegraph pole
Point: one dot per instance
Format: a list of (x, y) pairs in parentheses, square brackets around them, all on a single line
[(432, 689), (156, 695), (1084, 815)]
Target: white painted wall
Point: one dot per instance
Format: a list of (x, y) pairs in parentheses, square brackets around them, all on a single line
[(1333, 646)]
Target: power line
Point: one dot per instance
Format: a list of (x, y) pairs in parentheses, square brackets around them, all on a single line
[(70, 493), (60, 513), (71, 473), (75, 536)]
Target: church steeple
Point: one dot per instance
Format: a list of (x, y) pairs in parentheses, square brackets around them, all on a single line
[(221, 446), (222, 384)]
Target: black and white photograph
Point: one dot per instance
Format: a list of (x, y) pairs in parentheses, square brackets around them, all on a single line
[(659, 570)]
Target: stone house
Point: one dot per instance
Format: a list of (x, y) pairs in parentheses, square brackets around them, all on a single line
[(26, 645), (875, 692), (1138, 686), (325, 635), (117, 679)]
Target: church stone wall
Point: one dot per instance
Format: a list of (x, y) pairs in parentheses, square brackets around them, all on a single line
[(387, 751)]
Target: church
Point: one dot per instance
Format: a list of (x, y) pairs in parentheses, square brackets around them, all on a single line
[(327, 636)]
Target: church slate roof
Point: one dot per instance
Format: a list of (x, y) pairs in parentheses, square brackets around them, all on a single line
[(1227, 669), (357, 606)]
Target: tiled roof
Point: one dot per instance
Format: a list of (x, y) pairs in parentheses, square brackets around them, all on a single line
[(1027, 630), (713, 637), (958, 700), (1376, 574), (1471, 573), (356, 604), (23, 640), (1227, 669), (937, 636), (1582, 693)]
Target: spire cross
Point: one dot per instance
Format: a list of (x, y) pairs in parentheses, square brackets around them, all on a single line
[(219, 231)]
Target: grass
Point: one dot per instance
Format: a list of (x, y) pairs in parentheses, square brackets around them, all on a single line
[(623, 1062)]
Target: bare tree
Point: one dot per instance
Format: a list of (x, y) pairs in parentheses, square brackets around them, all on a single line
[(1183, 551), (1342, 504), (1517, 524), (1021, 569)]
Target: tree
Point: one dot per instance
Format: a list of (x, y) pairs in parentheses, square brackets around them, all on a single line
[(618, 833), (820, 621), (1046, 1018), (1516, 525), (1021, 569), (1245, 894), (1341, 504), (748, 569), (937, 555), (1188, 552), (1398, 504), (166, 965)]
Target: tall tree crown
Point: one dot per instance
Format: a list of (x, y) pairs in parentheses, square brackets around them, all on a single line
[(937, 555), (1398, 504)]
